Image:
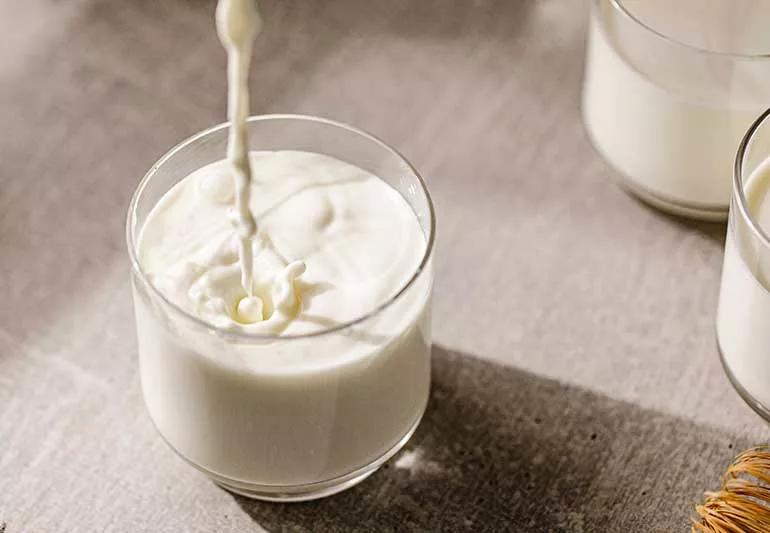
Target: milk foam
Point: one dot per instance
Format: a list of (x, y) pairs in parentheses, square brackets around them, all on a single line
[(333, 243)]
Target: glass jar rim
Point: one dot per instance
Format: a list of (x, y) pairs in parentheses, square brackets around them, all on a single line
[(625, 12), (238, 336), (739, 193)]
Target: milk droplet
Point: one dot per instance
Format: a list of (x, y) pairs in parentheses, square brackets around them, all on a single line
[(249, 310)]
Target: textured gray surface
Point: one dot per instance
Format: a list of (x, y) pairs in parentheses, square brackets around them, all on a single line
[(576, 381)]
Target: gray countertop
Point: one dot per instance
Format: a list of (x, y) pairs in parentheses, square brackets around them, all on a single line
[(576, 381)]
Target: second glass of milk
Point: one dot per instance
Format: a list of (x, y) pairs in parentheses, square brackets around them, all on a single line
[(670, 88), (290, 417), (743, 317)]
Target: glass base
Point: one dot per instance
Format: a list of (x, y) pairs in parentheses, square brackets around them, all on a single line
[(706, 213), (305, 492), (297, 493), (752, 402)]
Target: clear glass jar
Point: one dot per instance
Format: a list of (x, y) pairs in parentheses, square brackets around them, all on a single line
[(307, 431), (743, 316), (669, 90)]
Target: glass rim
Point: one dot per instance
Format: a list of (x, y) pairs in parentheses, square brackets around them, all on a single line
[(624, 11), (738, 183), (251, 337)]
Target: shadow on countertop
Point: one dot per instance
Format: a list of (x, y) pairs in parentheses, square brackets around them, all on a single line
[(502, 449)]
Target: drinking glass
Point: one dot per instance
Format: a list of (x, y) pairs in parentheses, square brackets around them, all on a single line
[(743, 316), (310, 429), (669, 90)]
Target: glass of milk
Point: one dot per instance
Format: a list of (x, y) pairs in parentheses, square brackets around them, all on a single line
[(743, 317), (292, 417), (669, 90)]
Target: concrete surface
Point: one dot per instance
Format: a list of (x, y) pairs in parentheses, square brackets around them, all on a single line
[(576, 381)]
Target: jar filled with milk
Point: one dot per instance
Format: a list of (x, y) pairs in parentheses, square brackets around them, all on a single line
[(670, 88), (743, 317)]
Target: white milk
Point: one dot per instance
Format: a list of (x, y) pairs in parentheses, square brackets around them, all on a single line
[(285, 411), (673, 139), (238, 23), (743, 318)]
